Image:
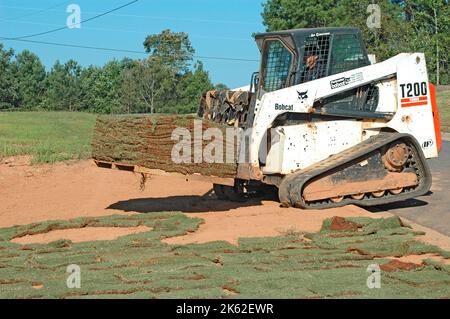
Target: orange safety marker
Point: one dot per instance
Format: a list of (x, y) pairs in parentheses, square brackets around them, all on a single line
[(437, 124)]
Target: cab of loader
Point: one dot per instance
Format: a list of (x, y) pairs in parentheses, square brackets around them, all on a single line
[(298, 56), (294, 57)]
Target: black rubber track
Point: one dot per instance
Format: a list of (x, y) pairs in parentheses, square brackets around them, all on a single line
[(291, 188)]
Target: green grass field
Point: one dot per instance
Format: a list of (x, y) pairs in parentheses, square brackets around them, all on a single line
[(443, 102), (328, 264), (47, 136)]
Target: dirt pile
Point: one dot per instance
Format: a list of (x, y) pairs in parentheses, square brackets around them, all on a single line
[(149, 141), (396, 264), (340, 223)]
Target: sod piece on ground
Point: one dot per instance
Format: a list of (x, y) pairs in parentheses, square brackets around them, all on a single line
[(327, 264), (147, 141)]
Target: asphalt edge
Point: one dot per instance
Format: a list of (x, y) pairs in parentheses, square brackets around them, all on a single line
[(431, 236)]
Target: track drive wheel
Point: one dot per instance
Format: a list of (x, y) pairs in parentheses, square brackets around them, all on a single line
[(396, 156)]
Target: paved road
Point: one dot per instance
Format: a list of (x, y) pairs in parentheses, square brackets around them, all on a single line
[(433, 209)]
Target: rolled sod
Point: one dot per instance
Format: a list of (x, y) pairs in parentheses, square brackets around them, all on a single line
[(149, 141)]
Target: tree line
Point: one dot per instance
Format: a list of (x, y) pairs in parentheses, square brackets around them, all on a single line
[(404, 25), (167, 81)]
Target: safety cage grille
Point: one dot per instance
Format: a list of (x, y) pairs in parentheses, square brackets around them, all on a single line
[(315, 58)]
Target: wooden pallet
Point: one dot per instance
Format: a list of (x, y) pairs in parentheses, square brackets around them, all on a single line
[(157, 172)]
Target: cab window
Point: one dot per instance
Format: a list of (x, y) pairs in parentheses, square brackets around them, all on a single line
[(347, 54), (277, 65)]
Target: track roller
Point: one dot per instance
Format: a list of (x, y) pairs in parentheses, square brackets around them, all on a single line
[(358, 196), (337, 199), (396, 191), (378, 194)]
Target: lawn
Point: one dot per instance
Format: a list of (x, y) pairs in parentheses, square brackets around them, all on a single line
[(443, 102), (47, 136), (328, 264)]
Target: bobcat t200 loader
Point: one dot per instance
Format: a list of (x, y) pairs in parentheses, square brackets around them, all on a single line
[(339, 130)]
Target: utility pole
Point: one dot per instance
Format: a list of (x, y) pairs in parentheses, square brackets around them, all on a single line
[(437, 45), (152, 108)]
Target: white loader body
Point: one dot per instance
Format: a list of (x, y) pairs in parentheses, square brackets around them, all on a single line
[(403, 93)]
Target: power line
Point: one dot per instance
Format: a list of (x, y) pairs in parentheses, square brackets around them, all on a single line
[(153, 17), (73, 45), (23, 39), (37, 11), (127, 31), (122, 50), (65, 27)]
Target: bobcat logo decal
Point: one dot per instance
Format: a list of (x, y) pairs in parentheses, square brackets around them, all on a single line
[(302, 95)]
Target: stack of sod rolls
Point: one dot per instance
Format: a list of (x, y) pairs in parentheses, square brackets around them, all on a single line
[(172, 143)]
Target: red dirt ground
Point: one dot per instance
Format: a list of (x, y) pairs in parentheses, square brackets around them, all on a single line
[(74, 189), (78, 235), (340, 223), (419, 259), (396, 264)]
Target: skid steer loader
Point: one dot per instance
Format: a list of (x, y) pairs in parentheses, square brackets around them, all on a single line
[(338, 130)]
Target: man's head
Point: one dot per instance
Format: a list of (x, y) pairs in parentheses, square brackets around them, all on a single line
[(311, 61)]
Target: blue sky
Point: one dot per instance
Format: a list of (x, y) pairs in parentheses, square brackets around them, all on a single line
[(217, 28)]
